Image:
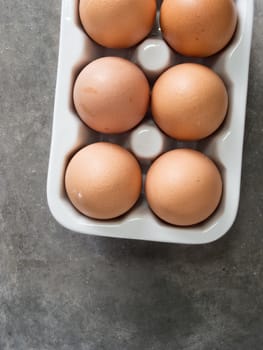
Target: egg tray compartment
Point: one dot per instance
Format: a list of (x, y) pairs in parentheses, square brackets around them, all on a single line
[(146, 141)]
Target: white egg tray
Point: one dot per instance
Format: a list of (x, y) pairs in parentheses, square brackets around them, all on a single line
[(147, 141)]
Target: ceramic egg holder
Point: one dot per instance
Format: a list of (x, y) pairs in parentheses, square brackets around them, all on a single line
[(146, 141)]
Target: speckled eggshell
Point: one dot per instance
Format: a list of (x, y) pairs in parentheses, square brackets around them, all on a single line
[(111, 95), (183, 187), (117, 23), (198, 28), (103, 180), (189, 102)]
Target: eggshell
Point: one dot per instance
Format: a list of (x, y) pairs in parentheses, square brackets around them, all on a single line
[(189, 101), (111, 95), (103, 180), (198, 27), (115, 23), (183, 187)]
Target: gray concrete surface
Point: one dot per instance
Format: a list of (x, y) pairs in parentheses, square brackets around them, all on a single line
[(63, 291)]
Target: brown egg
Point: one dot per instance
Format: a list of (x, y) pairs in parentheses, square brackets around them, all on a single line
[(115, 23), (103, 180), (111, 95), (198, 27), (189, 101), (183, 187)]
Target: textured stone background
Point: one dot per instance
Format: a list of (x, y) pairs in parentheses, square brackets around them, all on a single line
[(63, 291)]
